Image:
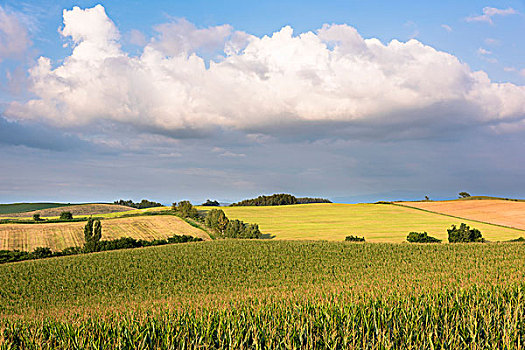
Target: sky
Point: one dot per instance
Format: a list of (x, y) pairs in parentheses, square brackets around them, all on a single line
[(355, 101)]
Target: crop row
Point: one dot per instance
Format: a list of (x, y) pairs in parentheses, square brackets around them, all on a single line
[(490, 318)]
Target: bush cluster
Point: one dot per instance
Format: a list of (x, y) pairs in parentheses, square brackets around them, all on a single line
[(210, 203), (354, 239), (421, 237), (464, 234), (66, 215)]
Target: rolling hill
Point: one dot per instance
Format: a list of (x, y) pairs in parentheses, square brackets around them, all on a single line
[(58, 236), (494, 211), (80, 209), (376, 222), (25, 207)]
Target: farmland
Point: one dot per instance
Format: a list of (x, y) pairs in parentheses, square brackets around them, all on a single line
[(58, 236), (260, 294), (376, 222), (500, 212), (25, 207), (81, 209)]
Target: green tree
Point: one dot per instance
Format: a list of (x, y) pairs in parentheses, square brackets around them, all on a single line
[(92, 235), (216, 220), (464, 234), (66, 215), (186, 210), (36, 217), (463, 194)]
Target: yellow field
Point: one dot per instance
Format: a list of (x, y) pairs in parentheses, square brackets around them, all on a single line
[(494, 211), (62, 235), (376, 222)]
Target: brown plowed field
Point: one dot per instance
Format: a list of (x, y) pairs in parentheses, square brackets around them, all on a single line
[(500, 212), (62, 235), (76, 210)]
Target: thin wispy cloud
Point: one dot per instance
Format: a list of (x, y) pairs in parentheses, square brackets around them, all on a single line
[(446, 27), (483, 51), (491, 41), (14, 37), (489, 12)]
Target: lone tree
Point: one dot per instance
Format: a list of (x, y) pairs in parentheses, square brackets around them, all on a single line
[(185, 209), (92, 235), (464, 234), (66, 215), (217, 220), (36, 217), (463, 194)]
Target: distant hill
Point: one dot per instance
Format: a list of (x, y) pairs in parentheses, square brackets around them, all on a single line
[(79, 209), (498, 211), (25, 207), (474, 198)]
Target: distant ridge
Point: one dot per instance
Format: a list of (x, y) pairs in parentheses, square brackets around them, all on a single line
[(26, 207), (471, 198), (77, 209)]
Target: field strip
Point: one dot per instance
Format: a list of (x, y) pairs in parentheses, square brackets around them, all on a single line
[(375, 222), (58, 236), (458, 217)]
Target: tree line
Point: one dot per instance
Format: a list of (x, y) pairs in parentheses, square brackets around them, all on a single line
[(143, 204), (217, 221), (279, 199)]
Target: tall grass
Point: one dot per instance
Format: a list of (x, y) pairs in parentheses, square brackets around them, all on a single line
[(256, 294)]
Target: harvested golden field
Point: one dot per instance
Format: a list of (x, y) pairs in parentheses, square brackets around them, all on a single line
[(58, 236), (81, 209), (494, 211)]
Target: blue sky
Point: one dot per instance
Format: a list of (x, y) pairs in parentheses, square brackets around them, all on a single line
[(173, 100)]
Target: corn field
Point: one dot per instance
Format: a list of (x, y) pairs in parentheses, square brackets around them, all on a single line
[(265, 295)]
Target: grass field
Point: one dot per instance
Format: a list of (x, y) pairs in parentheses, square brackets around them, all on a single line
[(501, 212), (76, 210), (269, 294), (376, 222), (25, 207), (58, 236)]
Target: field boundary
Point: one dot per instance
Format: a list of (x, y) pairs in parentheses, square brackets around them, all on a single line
[(459, 217)]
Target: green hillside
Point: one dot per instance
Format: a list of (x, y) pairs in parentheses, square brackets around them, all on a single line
[(24, 207), (376, 222)]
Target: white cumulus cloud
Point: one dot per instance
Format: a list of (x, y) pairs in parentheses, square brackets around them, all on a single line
[(329, 80)]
